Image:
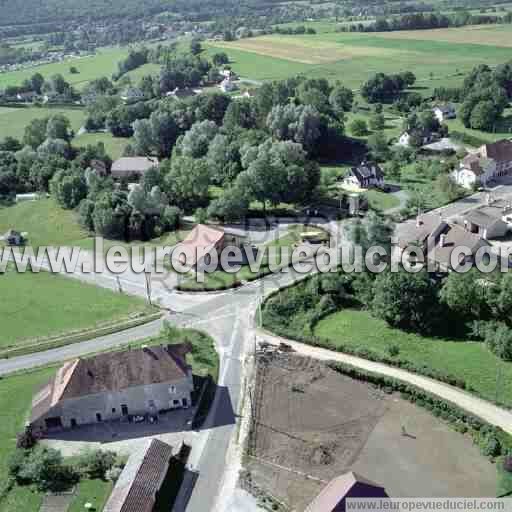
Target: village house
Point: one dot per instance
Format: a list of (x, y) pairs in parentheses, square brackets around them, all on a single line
[(14, 238), (444, 112), (491, 161), (132, 95), (137, 488), (365, 175), (132, 167), (114, 386), (488, 221), (227, 85), (182, 93), (198, 248), (424, 137), (437, 239), (350, 485)]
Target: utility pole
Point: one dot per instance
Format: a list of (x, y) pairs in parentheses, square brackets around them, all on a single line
[(147, 276)]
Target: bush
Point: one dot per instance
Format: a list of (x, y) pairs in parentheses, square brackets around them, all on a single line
[(113, 474), (95, 463), (26, 439), (490, 446), (393, 350), (45, 469)]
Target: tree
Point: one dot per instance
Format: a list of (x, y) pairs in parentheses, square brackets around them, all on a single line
[(196, 141), (35, 133), (52, 147), (240, 113), (186, 181), (382, 88), (211, 107), (195, 47), (499, 341), (484, 116), (36, 82), (231, 206), (58, 127), (220, 58), (377, 122), (358, 127), (406, 300), (68, 188), (94, 464), (278, 172), (465, 294), (341, 100), (378, 146)]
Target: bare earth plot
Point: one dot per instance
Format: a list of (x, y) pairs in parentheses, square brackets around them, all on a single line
[(306, 51), (310, 420)]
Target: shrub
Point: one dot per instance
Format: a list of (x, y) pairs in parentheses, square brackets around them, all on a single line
[(95, 463), (26, 439), (393, 350), (490, 446), (113, 474)]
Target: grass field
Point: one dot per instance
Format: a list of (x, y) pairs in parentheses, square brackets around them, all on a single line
[(45, 222), (15, 399), (95, 492), (353, 57), (470, 361), (27, 311), (13, 120), (103, 63), (114, 146)]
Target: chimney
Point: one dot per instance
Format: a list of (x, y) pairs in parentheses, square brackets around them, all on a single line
[(442, 240)]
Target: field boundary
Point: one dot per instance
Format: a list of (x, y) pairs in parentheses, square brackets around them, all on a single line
[(76, 337)]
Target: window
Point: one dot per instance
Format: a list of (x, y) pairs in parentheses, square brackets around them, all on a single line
[(176, 402), (172, 390), (151, 403), (98, 417), (73, 423), (113, 410), (184, 402), (124, 410)]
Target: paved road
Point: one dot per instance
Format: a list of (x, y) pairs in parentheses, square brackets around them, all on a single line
[(485, 410)]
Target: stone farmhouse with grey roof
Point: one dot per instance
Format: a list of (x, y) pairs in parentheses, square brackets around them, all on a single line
[(114, 386)]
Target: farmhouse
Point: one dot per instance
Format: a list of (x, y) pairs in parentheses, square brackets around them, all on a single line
[(227, 85), (128, 168), (444, 112), (489, 162), (114, 386), (14, 238), (204, 243), (141, 479), (365, 175), (350, 485)]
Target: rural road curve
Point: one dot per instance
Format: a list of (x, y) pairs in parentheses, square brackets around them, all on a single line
[(481, 408)]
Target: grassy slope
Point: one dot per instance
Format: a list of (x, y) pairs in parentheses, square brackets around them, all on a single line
[(42, 304), (14, 120), (104, 63), (470, 361), (15, 398), (91, 491), (46, 223)]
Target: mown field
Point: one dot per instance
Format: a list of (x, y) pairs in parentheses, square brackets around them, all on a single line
[(13, 120), (35, 305), (44, 221), (470, 361), (103, 63), (114, 146), (353, 57)]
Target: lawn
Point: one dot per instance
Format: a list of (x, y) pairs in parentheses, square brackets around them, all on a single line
[(469, 361), (103, 63), (114, 146), (15, 399), (13, 120), (381, 200), (95, 492), (35, 305), (45, 222)]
